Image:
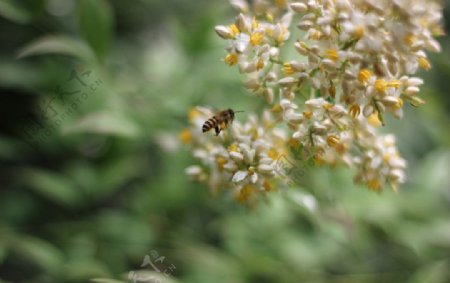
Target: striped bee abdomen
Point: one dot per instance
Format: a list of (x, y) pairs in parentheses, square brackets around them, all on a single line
[(210, 123)]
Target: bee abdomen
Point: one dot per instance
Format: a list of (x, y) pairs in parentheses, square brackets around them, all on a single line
[(209, 124)]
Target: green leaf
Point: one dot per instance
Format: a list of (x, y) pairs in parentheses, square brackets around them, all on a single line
[(39, 251), (58, 44), (96, 24), (11, 11), (106, 280), (52, 186), (104, 123)]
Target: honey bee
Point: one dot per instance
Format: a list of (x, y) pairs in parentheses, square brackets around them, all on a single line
[(219, 121)]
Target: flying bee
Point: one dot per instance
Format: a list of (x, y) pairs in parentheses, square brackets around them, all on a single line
[(220, 121)]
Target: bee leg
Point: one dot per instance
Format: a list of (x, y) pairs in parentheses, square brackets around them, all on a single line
[(217, 129)]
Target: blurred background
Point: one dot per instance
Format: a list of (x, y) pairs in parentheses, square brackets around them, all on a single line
[(93, 96)]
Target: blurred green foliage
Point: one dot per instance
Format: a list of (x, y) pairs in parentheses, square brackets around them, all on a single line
[(91, 195)]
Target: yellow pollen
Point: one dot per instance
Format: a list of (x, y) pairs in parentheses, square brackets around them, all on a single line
[(364, 76), (251, 170), (185, 136), (333, 141), (193, 114), (374, 185), (307, 114), (293, 143), (223, 125), (332, 54), (318, 160), (424, 63), (234, 30), (327, 106), (288, 69), (269, 17), (260, 64), (280, 3), (399, 103), (386, 157), (359, 32), (315, 35), (233, 148), (273, 153), (394, 84), (374, 120), (256, 38), (410, 39), (354, 111), (231, 59), (244, 194), (267, 186), (221, 161), (381, 85)]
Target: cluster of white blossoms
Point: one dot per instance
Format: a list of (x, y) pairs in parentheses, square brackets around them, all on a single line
[(354, 62), (245, 155)]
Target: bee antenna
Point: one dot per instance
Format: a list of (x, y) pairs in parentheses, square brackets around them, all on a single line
[(239, 111)]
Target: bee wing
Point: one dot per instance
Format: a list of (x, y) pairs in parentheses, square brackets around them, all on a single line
[(206, 111)]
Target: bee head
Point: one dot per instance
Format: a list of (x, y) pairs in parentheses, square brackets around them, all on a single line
[(231, 112)]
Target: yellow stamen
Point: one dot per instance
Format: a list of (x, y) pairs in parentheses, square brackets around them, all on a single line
[(381, 85), (293, 143), (273, 153), (354, 111), (399, 104), (333, 141), (332, 54), (364, 76), (269, 17), (315, 35), (185, 136), (233, 147), (244, 194), (410, 39), (280, 3), (193, 114), (374, 120), (374, 185), (267, 186), (260, 64), (256, 38), (231, 59), (307, 114), (327, 106), (288, 69), (424, 63), (234, 30), (221, 161), (394, 84), (358, 32)]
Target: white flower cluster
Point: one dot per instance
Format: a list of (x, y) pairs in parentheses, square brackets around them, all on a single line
[(356, 60), (244, 155)]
